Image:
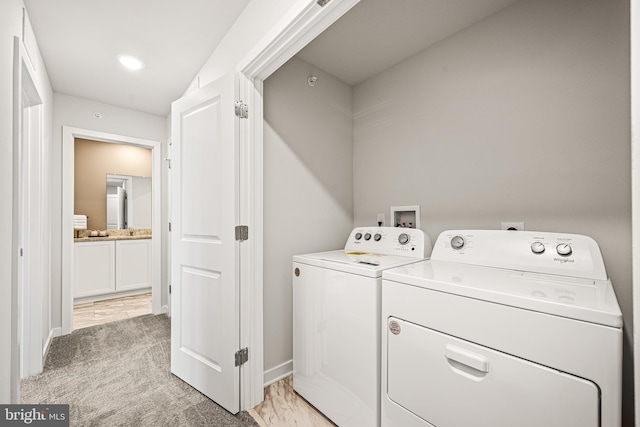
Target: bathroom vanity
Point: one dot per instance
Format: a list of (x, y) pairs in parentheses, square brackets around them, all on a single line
[(112, 266)]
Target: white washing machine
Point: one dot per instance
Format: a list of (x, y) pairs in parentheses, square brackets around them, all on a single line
[(502, 329), (336, 321)]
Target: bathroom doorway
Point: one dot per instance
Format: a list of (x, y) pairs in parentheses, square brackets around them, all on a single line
[(112, 232), (102, 241)]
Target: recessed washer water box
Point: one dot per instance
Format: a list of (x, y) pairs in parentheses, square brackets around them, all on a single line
[(405, 216)]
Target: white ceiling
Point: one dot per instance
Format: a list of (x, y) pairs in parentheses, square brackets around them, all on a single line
[(80, 41), (377, 34)]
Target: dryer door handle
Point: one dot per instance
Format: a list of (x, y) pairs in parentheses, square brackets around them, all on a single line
[(467, 358)]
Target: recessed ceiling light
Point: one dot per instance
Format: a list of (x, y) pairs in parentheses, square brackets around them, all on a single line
[(130, 62)]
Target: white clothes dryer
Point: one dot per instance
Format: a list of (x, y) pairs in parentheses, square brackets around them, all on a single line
[(502, 329), (336, 321)]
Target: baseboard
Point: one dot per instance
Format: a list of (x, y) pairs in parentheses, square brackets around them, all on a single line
[(277, 373), (108, 296), (55, 332)]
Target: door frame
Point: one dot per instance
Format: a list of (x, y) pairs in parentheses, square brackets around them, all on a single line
[(127, 180), (69, 134), (28, 275), (302, 23), (635, 195), (32, 228)]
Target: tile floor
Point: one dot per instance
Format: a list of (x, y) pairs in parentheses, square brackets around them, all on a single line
[(283, 407), (100, 312)]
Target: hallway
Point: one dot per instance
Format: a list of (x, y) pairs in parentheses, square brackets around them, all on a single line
[(118, 374)]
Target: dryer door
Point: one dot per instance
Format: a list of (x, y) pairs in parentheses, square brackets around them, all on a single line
[(449, 382)]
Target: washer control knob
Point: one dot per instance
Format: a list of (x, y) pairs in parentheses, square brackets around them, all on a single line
[(358, 236), (377, 237), (564, 249), (537, 247), (403, 239), (367, 236), (457, 242)]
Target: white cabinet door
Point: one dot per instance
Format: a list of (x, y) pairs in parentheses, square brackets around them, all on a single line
[(94, 267), (133, 264)]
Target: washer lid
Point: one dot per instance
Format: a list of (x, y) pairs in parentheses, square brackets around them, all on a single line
[(588, 300), (361, 263)]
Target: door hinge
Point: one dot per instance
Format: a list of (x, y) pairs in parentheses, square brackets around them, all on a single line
[(322, 3), (21, 252), (169, 226), (242, 356), (169, 288), (241, 109), (168, 160), (242, 232)]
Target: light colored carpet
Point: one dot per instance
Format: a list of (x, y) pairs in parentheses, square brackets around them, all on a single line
[(118, 374)]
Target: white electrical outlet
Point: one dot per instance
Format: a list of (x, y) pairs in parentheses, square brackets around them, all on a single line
[(380, 220), (513, 225)]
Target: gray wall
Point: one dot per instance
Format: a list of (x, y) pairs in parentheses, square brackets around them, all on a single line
[(308, 188), (521, 117)]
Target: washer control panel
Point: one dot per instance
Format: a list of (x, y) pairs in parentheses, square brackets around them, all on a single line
[(542, 252), (409, 242)]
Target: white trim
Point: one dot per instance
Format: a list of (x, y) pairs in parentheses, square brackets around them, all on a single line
[(303, 23), (128, 188), (55, 332), (32, 301), (112, 295), (635, 195), (14, 388), (68, 137), (278, 373), (166, 220), (28, 275), (251, 301)]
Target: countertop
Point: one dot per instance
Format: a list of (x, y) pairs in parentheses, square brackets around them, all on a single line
[(107, 238)]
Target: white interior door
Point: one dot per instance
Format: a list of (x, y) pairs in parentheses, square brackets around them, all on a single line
[(204, 268)]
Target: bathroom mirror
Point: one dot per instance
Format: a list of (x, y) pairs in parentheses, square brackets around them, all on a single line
[(128, 202)]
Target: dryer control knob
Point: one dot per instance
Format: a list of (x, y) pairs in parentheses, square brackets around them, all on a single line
[(403, 239), (358, 236), (564, 249), (367, 236), (537, 247), (377, 237), (457, 242)]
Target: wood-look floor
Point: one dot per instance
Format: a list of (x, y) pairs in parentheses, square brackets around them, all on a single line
[(100, 312), (283, 407)]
